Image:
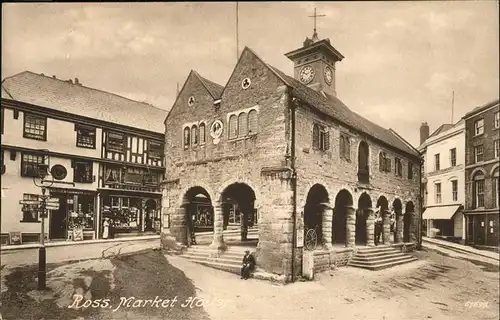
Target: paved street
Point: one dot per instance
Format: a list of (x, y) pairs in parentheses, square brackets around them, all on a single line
[(435, 287), (76, 252)]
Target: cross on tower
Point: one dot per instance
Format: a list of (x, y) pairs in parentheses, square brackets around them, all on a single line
[(316, 16)]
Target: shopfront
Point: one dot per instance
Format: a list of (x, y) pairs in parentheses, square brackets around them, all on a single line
[(130, 215), (77, 213)]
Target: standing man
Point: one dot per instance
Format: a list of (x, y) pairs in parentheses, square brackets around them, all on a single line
[(378, 228)]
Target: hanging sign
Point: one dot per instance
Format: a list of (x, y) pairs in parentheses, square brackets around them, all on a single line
[(300, 238)]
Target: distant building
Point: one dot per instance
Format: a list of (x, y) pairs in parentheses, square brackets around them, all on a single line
[(443, 180), (109, 146), (482, 127)]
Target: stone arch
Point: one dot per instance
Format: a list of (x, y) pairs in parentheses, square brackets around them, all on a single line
[(397, 220), (237, 202), (239, 180), (364, 203), (317, 202), (475, 171), (408, 221), (495, 167), (343, 219), (198, 213), (209, 192), (306, 187), (383, 229)]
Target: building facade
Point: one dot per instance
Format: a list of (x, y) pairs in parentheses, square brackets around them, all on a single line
[(482, 128), (104, 155), (288, 156), (443, 180)]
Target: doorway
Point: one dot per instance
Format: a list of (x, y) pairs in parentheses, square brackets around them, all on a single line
[(58, 221)]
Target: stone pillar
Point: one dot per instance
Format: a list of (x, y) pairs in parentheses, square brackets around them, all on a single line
[(414, 226), (386, 229), (370, 227), (350, 239), (218, 242), (327, 216), (399, 226)]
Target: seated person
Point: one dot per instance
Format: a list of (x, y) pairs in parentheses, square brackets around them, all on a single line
[(248, 265)]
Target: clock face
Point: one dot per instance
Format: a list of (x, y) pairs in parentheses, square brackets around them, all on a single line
[(306, 74), (328, 75)]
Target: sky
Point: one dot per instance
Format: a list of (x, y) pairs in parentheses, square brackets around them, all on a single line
[(403, 60)]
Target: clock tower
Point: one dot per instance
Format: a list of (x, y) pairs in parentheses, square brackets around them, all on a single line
[(314, 64)]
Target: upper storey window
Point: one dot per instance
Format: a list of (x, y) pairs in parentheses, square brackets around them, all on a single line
[(116, 142), (187, 137), (363, 162), (345, 147), (384, 162), (321, 137), (85, 136), (479, 127), (35, 127), (194, 134), (243, 124), (155, 149)]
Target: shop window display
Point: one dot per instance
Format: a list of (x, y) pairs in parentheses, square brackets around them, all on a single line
[(80, 212)]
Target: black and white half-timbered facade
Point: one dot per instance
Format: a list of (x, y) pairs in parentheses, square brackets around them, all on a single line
[(104, 154)]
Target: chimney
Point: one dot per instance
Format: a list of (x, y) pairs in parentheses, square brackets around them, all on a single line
[(424, 132), (77, 82), (54, 77), (70, 81)]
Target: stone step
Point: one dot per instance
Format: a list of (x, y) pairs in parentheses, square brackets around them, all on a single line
[(235, 262), (219, 265), (379, 260), (376, 254), (375, 249), (207, 249), (228, 255), (383, 265), (379, 256)]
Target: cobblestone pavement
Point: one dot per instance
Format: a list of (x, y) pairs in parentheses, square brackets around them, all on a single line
[(435, 287)]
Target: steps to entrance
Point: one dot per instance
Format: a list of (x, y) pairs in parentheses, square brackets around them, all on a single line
[(229, 261), (378, 258)]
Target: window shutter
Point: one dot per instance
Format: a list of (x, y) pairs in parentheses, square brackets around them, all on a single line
[(315, 136), (242, 125), (327, 140), (252, 122)]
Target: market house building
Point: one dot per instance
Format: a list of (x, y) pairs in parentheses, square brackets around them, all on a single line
[(291, 156), (110, 147), (482, 150), (443, 181)]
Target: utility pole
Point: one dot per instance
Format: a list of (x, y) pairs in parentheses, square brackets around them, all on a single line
[(237, 33)]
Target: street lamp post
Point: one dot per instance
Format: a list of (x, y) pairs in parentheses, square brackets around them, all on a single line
[(41, 173)]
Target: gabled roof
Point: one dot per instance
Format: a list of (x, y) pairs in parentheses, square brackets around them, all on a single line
[(213, 88), (442, 128), (481, 108), (56, 94), (335, 108)]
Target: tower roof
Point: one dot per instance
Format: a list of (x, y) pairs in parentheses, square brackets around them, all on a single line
[(312, 45)]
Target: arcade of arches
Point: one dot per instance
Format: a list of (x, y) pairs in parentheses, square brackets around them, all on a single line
[(234, 209), (342, 223), (336, 221)]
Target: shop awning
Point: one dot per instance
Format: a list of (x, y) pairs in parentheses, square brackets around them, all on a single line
[(440, 213)]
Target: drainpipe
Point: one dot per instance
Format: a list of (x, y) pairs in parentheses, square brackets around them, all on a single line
[(294, 181)]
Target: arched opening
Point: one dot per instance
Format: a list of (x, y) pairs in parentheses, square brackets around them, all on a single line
[(407, 222), (363, 163), (364, 203), (339, 221), (316, 202), (382, 221), (199, 215), (396, 220), (238, 208), (152, 216)]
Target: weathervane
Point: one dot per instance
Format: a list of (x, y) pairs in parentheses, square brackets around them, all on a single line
[(316, 16)]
